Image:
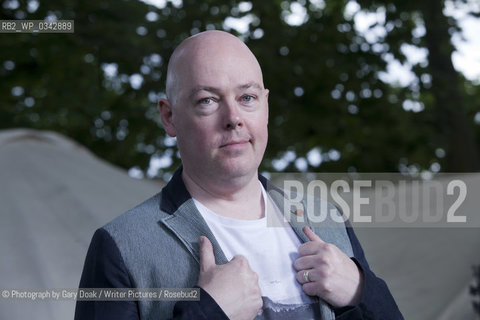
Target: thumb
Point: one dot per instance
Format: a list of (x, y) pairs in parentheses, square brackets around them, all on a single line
[(207, 258), (312, 236)]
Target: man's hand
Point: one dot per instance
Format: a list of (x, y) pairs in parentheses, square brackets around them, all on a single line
[(332, 275), (234, 286)]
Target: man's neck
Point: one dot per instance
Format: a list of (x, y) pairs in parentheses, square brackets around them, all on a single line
[(240, 199)]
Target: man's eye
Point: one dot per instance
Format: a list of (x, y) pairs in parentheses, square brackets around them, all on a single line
[(247, 98), (205, 101)]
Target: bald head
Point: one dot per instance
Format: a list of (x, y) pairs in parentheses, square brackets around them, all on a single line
[(202, 49)]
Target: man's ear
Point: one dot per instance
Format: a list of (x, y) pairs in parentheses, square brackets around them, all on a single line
[(166, 113), (266, 98)]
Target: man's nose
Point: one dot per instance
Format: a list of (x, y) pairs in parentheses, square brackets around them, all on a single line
[(232, 115)]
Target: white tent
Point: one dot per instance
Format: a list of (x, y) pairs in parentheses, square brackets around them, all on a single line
[(55, 193)]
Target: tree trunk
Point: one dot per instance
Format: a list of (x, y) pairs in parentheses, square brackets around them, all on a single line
[(454, 124)]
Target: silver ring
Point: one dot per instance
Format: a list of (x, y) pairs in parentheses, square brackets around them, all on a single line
[(305, 276)]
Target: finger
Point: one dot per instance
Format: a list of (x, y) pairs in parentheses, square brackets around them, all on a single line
[(238, 257), (314, 246), (300, 276), (312, 236), (207, 258), (241, 262), (304, 263), (310, 288)]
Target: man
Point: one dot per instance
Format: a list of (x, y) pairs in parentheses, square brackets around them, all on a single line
[(207, 227)]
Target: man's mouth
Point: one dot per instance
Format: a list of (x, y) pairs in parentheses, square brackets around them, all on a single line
[(235, 143)]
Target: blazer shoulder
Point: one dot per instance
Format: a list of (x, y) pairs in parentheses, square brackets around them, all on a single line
[(143, 214)]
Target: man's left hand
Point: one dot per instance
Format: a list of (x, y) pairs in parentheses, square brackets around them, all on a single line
[(325, 271)]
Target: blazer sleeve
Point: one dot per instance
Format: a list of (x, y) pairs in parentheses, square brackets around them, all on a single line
[(105, 268), (377, 302)]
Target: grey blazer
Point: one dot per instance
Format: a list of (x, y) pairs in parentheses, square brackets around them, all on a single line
[(158, 241)]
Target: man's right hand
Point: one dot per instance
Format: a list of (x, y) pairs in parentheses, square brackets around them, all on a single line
[(233, 285)]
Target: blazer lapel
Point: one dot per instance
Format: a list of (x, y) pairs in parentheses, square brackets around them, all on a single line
[(297, 220), (188, 225), (295, 215)]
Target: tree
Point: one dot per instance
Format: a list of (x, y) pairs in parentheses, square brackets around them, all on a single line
[(326, 95), (329, 109), (446, 109)]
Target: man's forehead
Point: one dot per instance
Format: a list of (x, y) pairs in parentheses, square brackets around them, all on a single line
[(219, 71), (206, 53), (213, 61)]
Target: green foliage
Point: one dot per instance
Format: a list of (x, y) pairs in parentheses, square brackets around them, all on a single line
[(448, 115), (325, 91)]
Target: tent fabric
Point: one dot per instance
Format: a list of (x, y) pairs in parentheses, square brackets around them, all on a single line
[(427, 270), (54, 193)]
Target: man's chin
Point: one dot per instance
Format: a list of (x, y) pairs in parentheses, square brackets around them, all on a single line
[(235, 170)]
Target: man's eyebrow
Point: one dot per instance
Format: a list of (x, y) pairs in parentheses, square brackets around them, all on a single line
[(250, 85), (217, 90), (203, 88)]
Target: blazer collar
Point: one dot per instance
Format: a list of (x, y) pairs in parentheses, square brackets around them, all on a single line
[(174, 194), (187, 223), (184, 219)]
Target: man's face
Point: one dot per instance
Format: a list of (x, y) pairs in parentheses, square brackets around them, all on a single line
[(220, 114)]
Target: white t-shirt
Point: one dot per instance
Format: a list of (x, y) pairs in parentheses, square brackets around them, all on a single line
[(270, 252)]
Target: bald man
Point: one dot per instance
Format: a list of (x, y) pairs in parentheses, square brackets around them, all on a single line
[(207, 228)]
